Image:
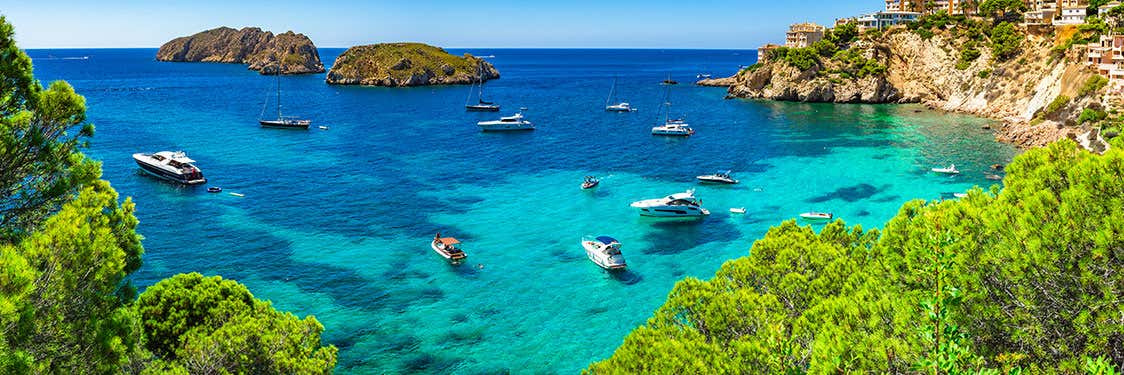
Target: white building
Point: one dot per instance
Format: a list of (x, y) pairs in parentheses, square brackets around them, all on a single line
[(1071, 16), (881, 20), (802, 35)]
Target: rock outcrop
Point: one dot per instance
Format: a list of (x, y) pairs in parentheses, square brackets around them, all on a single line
[(407, 64), (716, 82), (1017, 90), (264, 52)]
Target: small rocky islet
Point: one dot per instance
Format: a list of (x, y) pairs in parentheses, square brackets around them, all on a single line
[(263, 51), (407, 64)]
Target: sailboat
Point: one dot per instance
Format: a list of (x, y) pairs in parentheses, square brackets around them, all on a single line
[(481, 104), (672, 126), (619, 107), (281, 121)]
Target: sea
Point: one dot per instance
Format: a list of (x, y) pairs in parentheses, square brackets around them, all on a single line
[(337, 222)]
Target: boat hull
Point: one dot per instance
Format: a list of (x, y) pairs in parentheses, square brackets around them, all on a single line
[(169, 176), (602, 260), (482, 108), (452, 257), (673, 211), (505, 127), (816, 218), (716, 181), (301, 125)]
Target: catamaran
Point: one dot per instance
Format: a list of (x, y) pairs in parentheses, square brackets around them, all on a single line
[(481, 105), (281, 121), (619, 107), (672, 127)]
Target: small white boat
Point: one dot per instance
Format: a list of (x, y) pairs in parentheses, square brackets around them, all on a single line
[(737, 210), (717, 178), (447, 248), (238, 194), (817, 216), (604, 251), (171, 166), (674, 127), (960, 195), (676, 205), (950, 170), (510, 123), (620, 107), (322, 127)]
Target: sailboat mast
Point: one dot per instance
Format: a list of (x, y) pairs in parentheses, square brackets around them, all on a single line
[(611, 89)]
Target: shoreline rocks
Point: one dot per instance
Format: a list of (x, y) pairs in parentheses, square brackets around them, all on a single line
[(407, 64), (262, 51)]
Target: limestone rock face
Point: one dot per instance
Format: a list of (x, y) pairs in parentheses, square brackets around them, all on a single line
[(407, 64), (1016, 91), (264, 52)]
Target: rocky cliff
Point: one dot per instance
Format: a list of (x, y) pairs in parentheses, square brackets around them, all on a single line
[(407, 64), (1017, 90), (263, 51)]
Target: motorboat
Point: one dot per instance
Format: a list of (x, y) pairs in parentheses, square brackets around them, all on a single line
[(448, 248), (960, 195), (817, 216), (510, 123), (717, 178), (994, 177), (683, 204), (171, 166), (674, 127), (214, 189), (738, 210), (702, 76), (590, 182), (950, 170), (604, 251)]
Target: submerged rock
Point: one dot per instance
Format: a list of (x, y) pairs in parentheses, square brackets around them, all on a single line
[(407, 64), (264, 52)]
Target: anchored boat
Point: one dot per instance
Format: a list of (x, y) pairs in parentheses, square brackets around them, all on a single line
[(171, 166), (604, 251)]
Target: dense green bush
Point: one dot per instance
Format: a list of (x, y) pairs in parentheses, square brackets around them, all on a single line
[(1005, 41), (1092, 85), (825, 48), (1056, 105), (1024, 277), (968, 54), (1090, 115), (1003, 10), (854, 64)]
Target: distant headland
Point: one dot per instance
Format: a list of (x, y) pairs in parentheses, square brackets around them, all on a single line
[(264, 52), (407, 64)]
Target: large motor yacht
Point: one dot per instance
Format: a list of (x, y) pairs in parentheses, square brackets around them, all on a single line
[(171, 166), (510, 123), (604, 251), (676, 205)]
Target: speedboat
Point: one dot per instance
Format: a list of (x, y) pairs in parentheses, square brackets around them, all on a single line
[(676, 205), (510, 123), (447, 248), (674, 128), (737, 210), (590, 182), (950, 170), (214, 189), (604, 251), (817, 216), (620, 107), (717, 178), (171, 166), (994, 177), (960, 195)]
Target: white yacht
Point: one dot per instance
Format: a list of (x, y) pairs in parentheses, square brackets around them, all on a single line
[(619, 107), (676, 205), (718, 178), (604, 251), (447, 248), (510, 123), (950, 170), (817, 216), (171, 166)]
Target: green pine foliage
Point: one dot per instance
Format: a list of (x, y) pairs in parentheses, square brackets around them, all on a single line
[(68, 245), (1019, 279)]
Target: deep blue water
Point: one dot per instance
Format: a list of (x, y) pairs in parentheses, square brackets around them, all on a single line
[(337, 222)]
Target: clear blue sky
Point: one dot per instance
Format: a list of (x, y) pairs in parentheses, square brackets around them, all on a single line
[(500, 23)]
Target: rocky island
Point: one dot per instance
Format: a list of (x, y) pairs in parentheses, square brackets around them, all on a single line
[(407, 64), (261, 50), (1028, 77)]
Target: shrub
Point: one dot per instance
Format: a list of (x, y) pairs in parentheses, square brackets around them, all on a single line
[(1005, 41), (968, 54), (1090, 115), (825, 48), (984, 73), (1092, 85), (802, 58), (1059, 102)]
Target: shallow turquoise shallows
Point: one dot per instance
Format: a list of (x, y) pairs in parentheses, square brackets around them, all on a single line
[(337, 222)]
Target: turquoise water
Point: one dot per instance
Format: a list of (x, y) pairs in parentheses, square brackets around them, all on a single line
[(337, 222)]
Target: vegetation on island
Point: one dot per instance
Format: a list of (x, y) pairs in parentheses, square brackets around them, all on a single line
[(832, 57), (68, 245), (1012, 280), (407, 64), (284, 53)]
